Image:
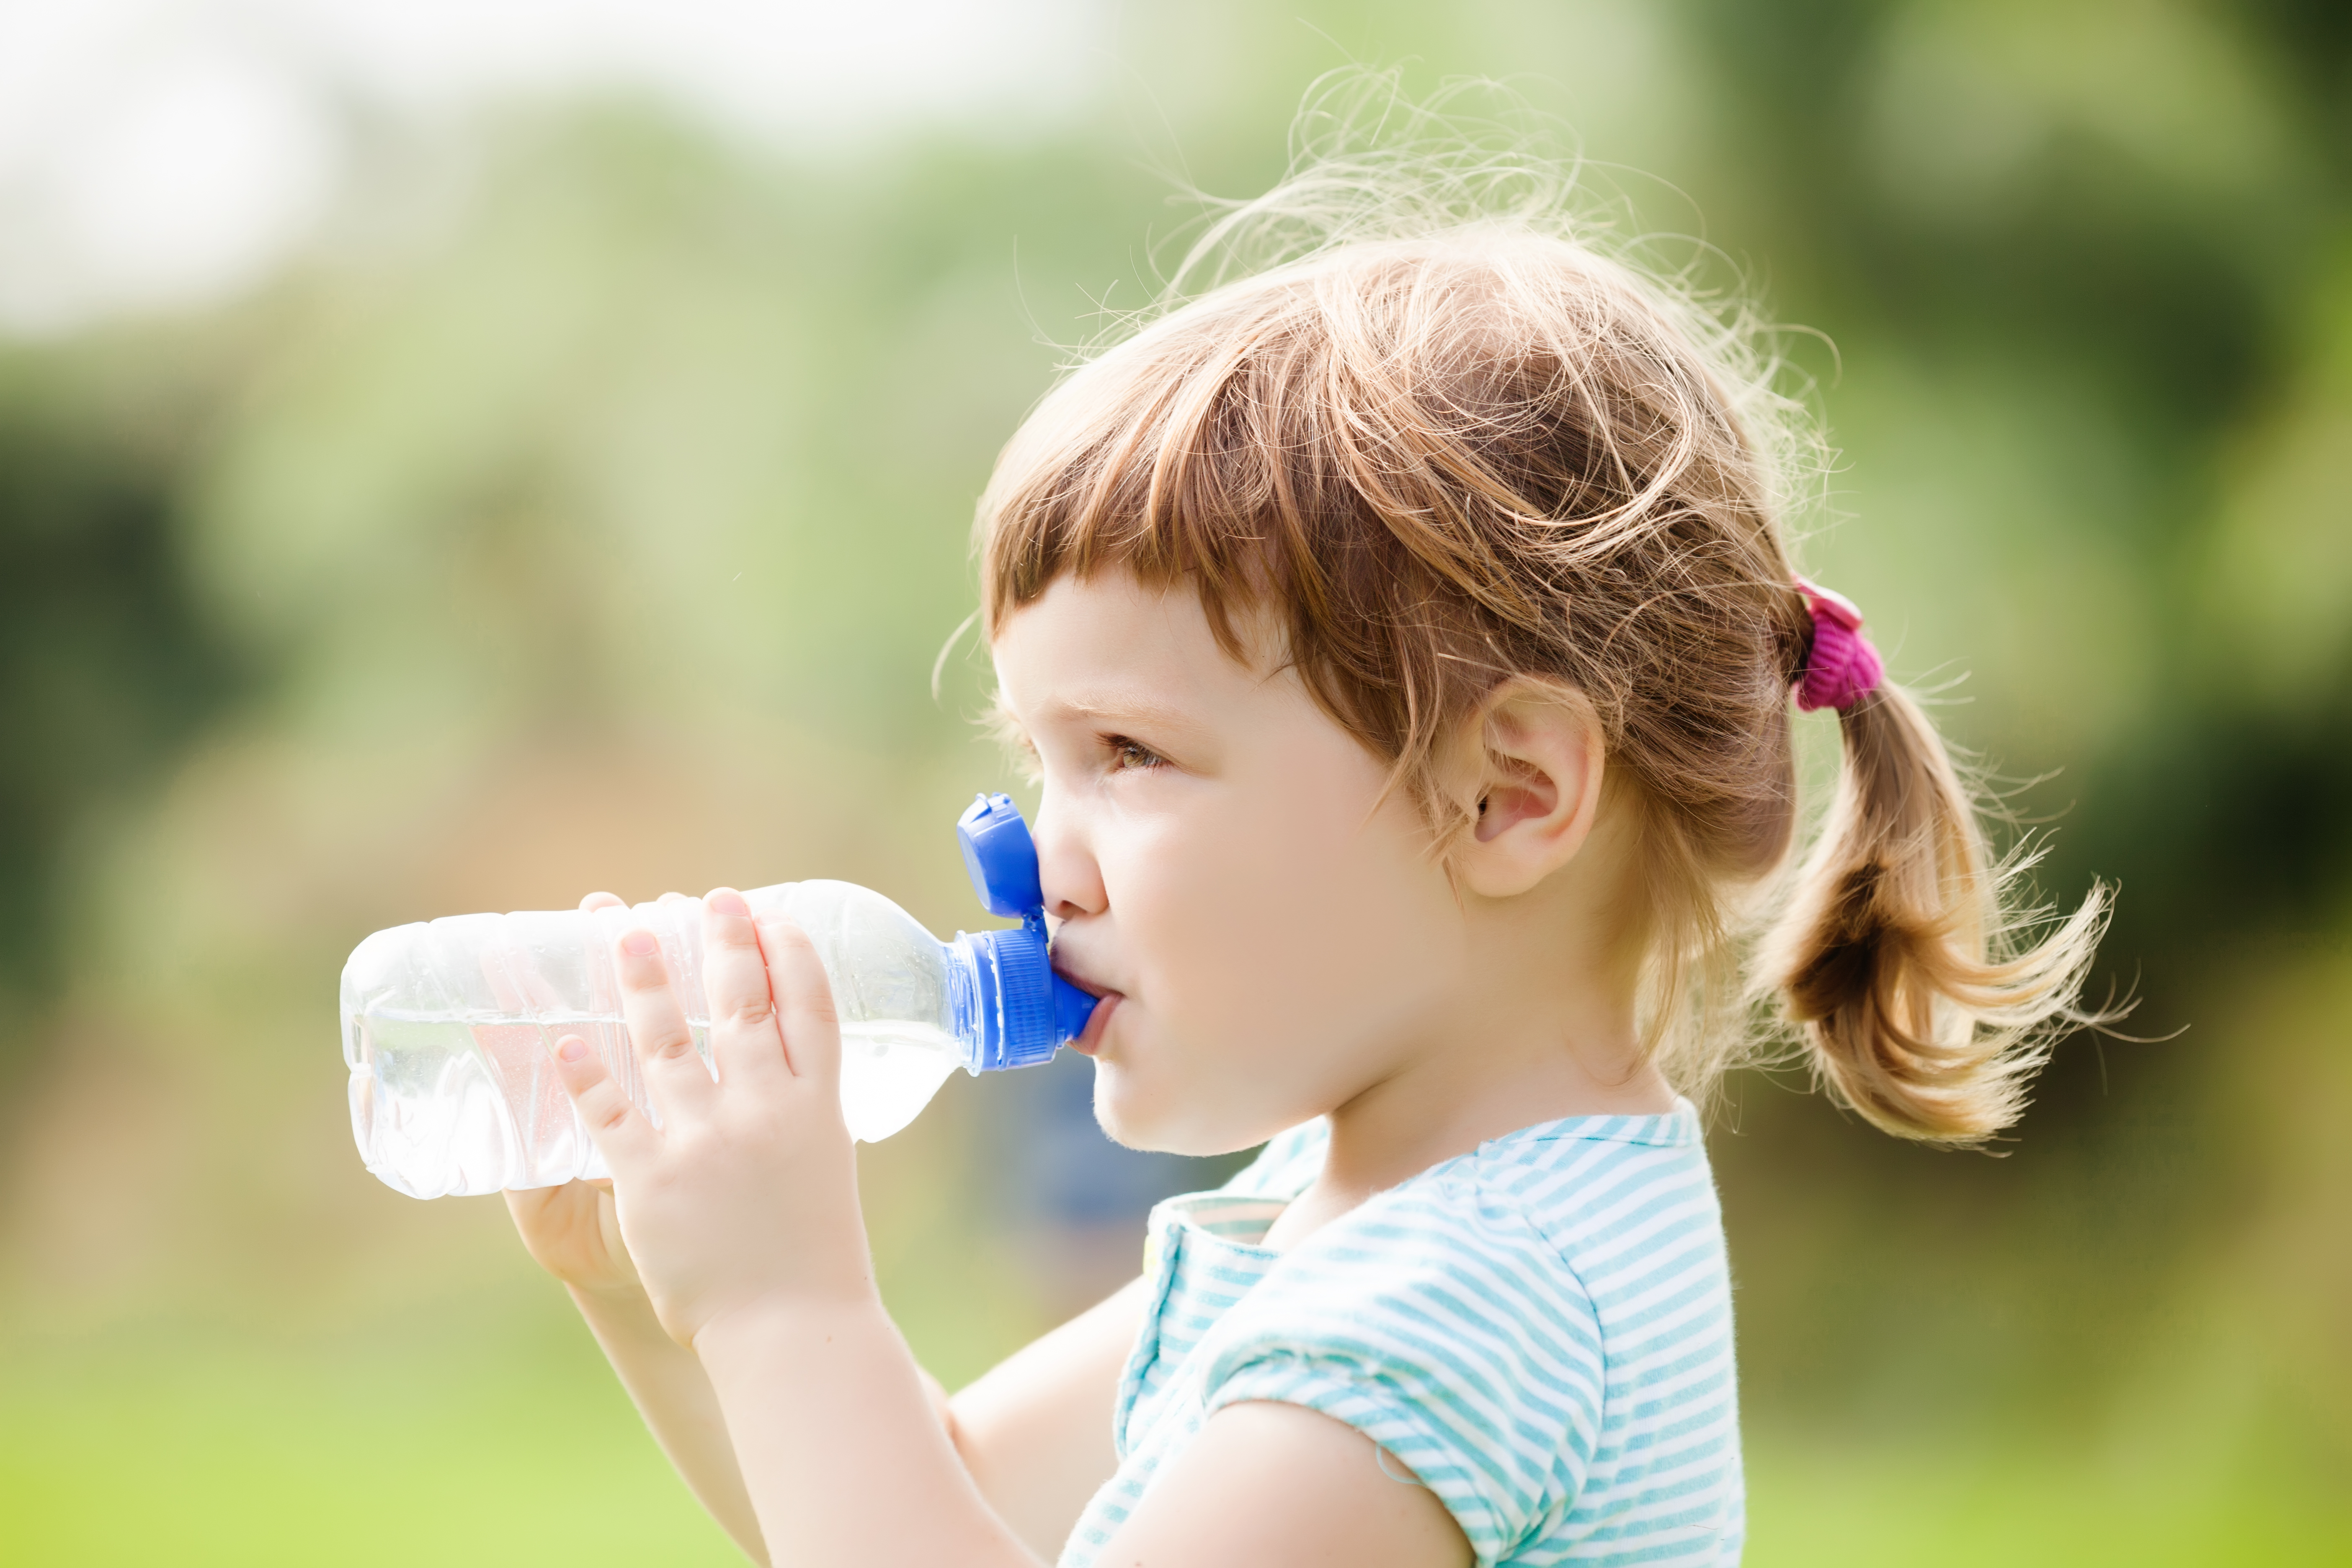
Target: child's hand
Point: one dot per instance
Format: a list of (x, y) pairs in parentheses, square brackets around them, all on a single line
[(745, 1198), (574, 1233)]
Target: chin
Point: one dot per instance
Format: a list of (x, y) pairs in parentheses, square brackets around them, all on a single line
[(1136, 1118), (1124, 1122)]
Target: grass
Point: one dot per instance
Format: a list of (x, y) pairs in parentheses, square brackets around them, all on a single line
[(257, 1455), (1820, 1507), (245, 1459)]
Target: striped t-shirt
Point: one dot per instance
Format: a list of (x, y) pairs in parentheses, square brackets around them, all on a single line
[(1540, 1328)]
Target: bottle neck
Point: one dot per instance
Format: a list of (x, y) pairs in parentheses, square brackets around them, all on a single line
[(971, 998), (1004, 1004)]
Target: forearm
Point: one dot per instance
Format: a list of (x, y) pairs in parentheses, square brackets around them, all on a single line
[(840, 1449), (1035, 1433), (674, 1394)]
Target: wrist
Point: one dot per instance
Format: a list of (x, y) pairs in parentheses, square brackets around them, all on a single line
[(758, 1326), (623, 1308)]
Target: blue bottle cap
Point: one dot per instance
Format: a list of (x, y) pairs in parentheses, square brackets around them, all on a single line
[(1000, 856), (1021, 1012)]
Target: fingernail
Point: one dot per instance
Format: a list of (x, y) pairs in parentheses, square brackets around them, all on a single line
[(639, 944), (726, 901), (572, 1048)]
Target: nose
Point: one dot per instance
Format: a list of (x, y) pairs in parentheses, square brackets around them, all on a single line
[(1067, 867)]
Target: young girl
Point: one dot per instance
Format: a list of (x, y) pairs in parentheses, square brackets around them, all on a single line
[(1407, 640)]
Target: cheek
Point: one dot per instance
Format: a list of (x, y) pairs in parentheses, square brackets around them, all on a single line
[(1286, 935)]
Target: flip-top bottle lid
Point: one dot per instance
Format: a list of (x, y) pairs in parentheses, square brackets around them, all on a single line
[(1000, 856), (1025, 1011)]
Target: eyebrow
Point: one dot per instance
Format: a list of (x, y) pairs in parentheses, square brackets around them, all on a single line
[(1114, 707)]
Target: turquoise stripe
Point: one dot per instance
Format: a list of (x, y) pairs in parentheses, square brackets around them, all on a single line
[(1671, 1297), (1540, 1328), (1642, 1205), (1502, 1367), (1701, 1254), (1706, 1419), (1508, 1295)]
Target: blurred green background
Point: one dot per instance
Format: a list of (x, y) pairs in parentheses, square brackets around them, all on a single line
[(585, 505)]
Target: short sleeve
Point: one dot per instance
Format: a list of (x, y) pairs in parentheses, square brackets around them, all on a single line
[(1450, 1332), (1286, 1166)]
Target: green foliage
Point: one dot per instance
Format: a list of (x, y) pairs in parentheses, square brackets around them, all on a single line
[(106, 666), (595, 516)]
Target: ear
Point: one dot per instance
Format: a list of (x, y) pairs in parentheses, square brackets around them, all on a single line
[(1531, 757)]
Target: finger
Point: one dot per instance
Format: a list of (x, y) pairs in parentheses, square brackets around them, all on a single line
[(596, 901), (621, 1135), (744, 1040), (812, 1026), (676, 1079)]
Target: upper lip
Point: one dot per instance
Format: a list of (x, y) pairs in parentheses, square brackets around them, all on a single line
[(1079, 978), (1094, 988)]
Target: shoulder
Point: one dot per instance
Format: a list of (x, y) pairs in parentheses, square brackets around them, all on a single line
[(1454, 1276), (1467, 1320), (1628, 1203), (1591, 1182), (1445, 1289), (1555, 1206)]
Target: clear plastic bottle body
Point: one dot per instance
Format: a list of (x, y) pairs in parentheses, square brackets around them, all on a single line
[(447, 1024)]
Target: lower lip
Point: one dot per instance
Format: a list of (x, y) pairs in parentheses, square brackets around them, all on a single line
[(1089, 1039)]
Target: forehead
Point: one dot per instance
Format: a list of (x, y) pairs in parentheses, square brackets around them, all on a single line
[(1107, 644)]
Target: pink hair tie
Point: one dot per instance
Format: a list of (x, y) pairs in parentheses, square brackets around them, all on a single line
[(1841, 668)]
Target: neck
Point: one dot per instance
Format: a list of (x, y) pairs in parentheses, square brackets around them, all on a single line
[(1505, 1057)]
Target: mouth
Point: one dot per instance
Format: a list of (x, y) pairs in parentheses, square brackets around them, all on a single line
[(1089, 1039), (1106, 1000)]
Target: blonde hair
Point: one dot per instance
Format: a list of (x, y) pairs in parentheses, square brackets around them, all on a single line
[(1418, 415)]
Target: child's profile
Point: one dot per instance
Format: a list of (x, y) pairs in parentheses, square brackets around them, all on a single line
[(1405, 638)]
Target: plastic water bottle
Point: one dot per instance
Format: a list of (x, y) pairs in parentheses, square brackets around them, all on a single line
[(447, 1024)]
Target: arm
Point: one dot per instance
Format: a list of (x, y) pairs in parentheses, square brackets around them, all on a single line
[(841, 1454), (1016, 1458), (741, 1213), (571, 1232), (741, 1210), (674, 1394), (1263, 1486), (1281, 1486), (1035, 1431)]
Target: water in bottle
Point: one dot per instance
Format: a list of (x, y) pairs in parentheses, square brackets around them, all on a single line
[(448, 1025)]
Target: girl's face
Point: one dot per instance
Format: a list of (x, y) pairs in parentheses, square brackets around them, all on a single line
[(1219, 860)]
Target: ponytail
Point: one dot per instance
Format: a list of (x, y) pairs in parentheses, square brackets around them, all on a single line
[(1917, 1004)]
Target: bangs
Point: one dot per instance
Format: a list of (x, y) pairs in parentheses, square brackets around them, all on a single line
[(1159, 459), (1431, 464)]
